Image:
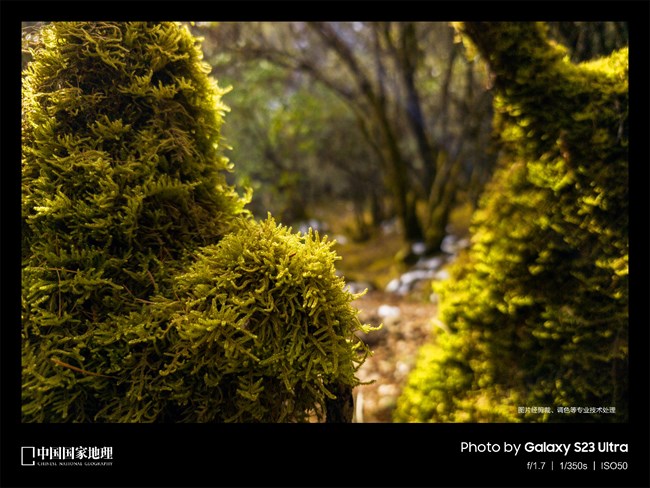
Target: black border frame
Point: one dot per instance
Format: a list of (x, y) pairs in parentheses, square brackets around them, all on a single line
[(321, 454)]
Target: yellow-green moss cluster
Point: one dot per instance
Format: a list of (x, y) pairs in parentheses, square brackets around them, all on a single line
[(260, 329)]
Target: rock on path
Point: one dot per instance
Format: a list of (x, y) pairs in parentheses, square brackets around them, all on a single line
[(407, 326)]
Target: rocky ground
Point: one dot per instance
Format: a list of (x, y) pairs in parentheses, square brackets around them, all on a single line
[(406, 326)]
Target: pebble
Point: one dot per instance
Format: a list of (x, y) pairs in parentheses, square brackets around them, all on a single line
[(402, 369), (388, 312), (427, 268)]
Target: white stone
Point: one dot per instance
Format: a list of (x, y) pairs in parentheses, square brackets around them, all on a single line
[(393, 286), (402, 368), (418, 248), (441, 275), (430, 263), (355, 287), (449, 244), (388, 311)]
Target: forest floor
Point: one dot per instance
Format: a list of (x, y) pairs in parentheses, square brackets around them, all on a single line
[(395, 348), (407, 318)]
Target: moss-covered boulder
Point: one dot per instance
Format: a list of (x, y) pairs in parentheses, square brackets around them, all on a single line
[(537, 310), (260, 329)]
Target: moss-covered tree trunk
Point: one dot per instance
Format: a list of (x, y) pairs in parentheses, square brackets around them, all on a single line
[(149, 295), (538, 309), (122, 179)]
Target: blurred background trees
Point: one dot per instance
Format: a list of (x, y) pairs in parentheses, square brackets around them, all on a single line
[(391, 117), (388, 116), (588, 40)]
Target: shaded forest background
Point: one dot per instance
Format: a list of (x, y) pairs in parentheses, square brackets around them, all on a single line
[(392, 120)]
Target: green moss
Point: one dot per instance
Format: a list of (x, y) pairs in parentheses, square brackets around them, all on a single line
[(122, 179), (537, 310), (260, 330), (149, 294)]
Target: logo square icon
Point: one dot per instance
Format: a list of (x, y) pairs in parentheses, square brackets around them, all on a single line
[(27, 456)]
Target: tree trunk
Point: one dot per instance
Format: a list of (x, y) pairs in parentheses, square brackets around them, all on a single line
[(340, 409)]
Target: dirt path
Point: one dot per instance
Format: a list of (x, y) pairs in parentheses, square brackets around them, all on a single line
[(407, 325)]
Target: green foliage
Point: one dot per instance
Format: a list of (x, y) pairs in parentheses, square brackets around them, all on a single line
[(260, 330), (122, 180), (281, 136), (537, 310)]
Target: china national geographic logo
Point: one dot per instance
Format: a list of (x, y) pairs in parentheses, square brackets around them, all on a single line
[(66, 456)]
